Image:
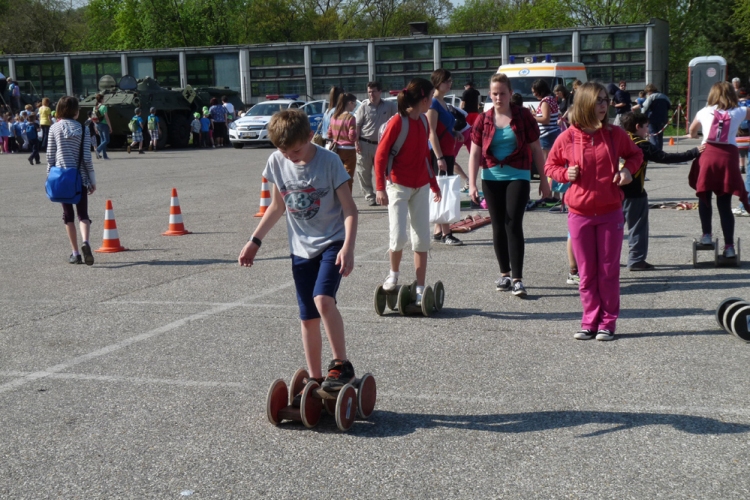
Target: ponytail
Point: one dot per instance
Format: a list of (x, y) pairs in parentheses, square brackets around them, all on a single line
[(418, 89)]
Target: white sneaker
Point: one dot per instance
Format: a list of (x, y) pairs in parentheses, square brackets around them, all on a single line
[(419, 299), (706, 240), (390, 283), (729, 252), (738, 210)]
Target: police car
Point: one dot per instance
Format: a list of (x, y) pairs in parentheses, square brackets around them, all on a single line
[(252, 128)]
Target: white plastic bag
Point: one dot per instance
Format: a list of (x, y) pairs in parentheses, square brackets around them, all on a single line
[(448, 209)]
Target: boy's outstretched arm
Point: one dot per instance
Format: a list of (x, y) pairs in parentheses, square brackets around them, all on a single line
[(345, 258), (270, 218), (652, 154)]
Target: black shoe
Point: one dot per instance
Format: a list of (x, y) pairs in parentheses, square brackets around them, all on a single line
[(38, 162), (88, 257), (451, 240), (340, 373), (31, 162), (641, 266), (437, 236), (75, 259)]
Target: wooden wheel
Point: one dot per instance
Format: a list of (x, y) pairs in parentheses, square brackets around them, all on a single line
[(716, 252), (310, 407), (391, 300), (737, 261), (723, 307), (404, 299), (695, 253), (729, 312), (346, 407), (276, 400), (428, 301), (367, 394), (380, 300), (297, 384), (439, 291), (740, 323)]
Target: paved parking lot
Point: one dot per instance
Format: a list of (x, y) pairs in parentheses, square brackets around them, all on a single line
[(145, 376)]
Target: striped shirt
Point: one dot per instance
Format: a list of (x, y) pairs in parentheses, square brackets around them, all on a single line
[(343, 130), (64, 149), (554, 112)]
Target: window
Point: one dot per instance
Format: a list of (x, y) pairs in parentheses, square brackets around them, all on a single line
[(141, 67), (4, 68), (633, 40), (292, 57), (87, 72), (264, 88), (167, 71), (455, 49), (540, 45), (486, 48), (293, 87), (325, 56), (42, 79), (354, 54), (200, 71), (596, 42), (404, 52)]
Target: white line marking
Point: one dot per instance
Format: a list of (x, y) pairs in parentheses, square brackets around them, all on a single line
[(30, 377)]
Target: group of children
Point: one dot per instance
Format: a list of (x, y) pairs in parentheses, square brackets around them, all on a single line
[(202, 130), (19, 133), (137, 128)]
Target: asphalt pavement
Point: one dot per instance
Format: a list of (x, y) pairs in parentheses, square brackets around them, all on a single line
[(145, 375)]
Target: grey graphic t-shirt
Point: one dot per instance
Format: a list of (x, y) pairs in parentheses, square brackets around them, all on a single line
[(314, 215)]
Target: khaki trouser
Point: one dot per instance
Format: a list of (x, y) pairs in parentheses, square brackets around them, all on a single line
[(365, 162), (408, 207), (348, 158)]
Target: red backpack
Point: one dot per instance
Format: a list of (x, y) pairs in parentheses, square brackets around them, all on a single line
[(720, 125)]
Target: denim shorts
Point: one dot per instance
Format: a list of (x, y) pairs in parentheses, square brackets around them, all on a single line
[(317, 276), (548, 140)]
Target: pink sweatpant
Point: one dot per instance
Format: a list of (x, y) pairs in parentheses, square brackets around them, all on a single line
[(597, 245), (4, 142)]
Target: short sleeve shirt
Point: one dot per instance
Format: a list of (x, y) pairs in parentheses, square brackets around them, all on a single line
[(370, 118), (314, 214), (218, 113), (736, 116), (470, 98), (103, 112)]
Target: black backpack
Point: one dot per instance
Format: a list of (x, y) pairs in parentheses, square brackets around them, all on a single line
[(460, 119)]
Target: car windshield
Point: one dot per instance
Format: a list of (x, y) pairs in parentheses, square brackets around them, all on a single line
[(265, 109), (522, 85)]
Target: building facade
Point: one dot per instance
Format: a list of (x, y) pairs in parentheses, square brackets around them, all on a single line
[(637, 53)]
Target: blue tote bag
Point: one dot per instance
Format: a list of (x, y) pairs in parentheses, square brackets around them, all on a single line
[(64, 184)]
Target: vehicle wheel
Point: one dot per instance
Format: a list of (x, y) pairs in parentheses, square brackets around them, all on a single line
[(238, 145), (178, 133)]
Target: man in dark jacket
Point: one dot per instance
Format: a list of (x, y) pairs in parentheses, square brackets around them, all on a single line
[(656, 108), (635, 204)]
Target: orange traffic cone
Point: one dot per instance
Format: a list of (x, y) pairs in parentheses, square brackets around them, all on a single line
[(671, 141), (110, 240), (265, 198), (176, 227)]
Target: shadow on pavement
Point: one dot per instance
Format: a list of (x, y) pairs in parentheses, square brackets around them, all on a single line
[(389, 424)]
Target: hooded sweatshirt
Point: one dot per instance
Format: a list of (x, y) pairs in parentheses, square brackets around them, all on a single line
[(593, 192), (64, 149)]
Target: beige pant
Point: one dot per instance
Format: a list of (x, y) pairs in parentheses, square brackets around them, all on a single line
[(365, 171), (414, 203)]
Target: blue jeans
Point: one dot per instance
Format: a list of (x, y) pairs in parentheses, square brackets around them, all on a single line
[(656, 140), (103, 129)]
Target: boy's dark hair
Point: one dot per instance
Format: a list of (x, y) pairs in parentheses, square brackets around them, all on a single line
[(288, 128), (629, 120), (224, 98), (517, 99), (67, 107), (374, 85)]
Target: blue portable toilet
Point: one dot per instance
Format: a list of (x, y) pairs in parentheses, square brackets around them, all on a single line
[(703, 72)]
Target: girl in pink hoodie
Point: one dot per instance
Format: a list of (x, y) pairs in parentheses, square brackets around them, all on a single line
[(587, 155)]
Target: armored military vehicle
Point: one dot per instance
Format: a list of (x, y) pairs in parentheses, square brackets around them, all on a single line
[(174, 107)]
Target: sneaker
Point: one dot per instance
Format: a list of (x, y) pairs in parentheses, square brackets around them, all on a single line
[(518, 289), (298, 397), (75, 259), (437, 236), (729, 252), (465, 188), (372, 203), (738, 210), (128, 148), (390, 283), (38, 162), (573, 279), (418, 302), (503, 283), (584, 334), (706, 240), (604, 335), (141, 152), (340, 373), (88, 257), (451, 240)]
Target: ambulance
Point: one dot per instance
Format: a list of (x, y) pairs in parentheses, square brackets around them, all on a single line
[(523, 75)]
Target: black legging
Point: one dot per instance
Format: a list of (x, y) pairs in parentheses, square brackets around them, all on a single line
[(724, 204), (506, 202)]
